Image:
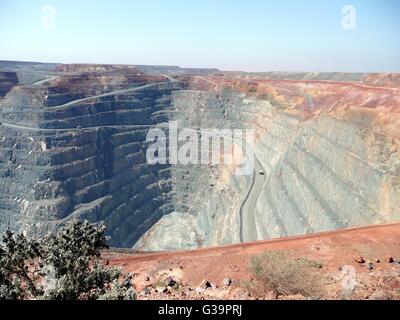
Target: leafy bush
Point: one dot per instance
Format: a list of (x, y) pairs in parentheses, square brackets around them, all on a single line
[(18, 276), (61, 266), (279, 272)]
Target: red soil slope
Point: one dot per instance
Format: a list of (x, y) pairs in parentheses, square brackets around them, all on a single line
[(333, 249)]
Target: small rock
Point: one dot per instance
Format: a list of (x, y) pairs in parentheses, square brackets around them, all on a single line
[(389, 259), (160, 289), (226, 282), (167, 291), (359, 259), (370, 266), (377, 260), (146, 291), (271, 295), (170, 282), (199, 290), (205, 284)]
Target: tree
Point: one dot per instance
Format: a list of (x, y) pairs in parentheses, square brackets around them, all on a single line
[(17, 277), (65, 265)]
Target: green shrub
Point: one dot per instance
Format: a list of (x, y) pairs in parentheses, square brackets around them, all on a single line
[(65, 265), (278, 271)]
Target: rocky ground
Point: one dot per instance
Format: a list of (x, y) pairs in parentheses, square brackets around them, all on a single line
[(355, 264)]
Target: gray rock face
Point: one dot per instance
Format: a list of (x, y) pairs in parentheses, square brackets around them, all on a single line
[(77, 151), (7, 81), (52, 171)]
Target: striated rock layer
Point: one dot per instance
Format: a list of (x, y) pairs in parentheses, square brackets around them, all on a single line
[(73, 144)]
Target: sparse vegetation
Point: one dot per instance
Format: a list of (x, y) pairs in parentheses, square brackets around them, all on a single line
[(253, 89), (280, 272), (61, 266)]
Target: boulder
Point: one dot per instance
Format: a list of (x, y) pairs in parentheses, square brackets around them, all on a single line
[(226, 282)]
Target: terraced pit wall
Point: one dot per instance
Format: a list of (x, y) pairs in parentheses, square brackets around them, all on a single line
[(322, 171)]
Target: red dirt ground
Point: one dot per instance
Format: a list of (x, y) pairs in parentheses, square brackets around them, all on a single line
[(332, 249)]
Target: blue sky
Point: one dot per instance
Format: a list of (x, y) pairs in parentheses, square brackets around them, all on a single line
[(251, 35)]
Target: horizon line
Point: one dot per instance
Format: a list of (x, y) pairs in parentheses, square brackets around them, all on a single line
[(191, 67)]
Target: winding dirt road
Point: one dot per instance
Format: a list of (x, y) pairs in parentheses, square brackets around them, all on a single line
[(248, 231), (42, 81)]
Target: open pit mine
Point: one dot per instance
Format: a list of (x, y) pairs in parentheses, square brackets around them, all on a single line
[(73, 145)]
